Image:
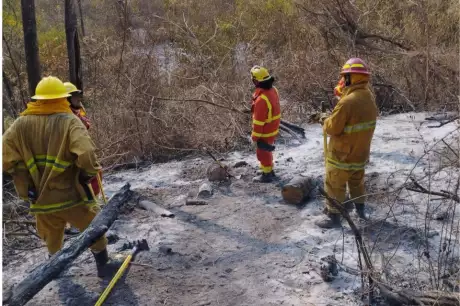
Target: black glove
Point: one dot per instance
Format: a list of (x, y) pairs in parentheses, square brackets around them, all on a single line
[(32, 194), (83, 178), (265, 146)]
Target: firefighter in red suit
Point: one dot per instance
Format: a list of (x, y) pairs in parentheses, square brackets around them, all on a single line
[(266, 116)]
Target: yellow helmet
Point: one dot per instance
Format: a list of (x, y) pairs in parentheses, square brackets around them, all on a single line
[(260, 74), (50, 88), (71, 88)]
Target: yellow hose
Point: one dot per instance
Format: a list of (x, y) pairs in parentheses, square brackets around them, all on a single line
[(114, 281), (325, 147), (99, 181)]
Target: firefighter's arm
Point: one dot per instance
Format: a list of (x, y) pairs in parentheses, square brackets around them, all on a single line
[(83, 147), (10, 154), (259, 117), (335, 124)]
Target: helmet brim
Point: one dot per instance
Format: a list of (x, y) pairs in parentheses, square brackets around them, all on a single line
[(355, 72), (50, 97), (262, 80)]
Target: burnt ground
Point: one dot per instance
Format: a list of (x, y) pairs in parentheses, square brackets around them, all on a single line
[(247, 247), (235, 251)]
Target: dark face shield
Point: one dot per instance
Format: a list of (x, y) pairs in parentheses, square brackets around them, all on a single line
[(75, 99), (347, 78)]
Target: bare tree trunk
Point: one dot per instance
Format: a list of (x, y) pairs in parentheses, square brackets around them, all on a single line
[(73, 45), (29, 26), (81, 19)]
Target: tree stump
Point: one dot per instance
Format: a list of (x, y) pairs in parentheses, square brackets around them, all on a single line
[(205, 191), (298, 189), (216, 173)]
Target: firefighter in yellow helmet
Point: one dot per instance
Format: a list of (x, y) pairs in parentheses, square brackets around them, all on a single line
[(351, 128), (75, 103), (51, 158), (266, 117)]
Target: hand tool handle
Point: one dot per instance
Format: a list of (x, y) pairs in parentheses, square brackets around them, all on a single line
[(114, 280), (215, 159), (323, 110)]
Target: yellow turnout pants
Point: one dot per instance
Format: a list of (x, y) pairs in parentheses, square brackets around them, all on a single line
[(336, 185), (51, 226)]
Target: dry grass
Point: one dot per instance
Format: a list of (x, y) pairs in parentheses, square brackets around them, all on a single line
[(135, 51)]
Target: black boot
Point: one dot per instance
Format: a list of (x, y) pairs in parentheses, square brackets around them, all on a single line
[(360, 211), (71, 231), (105, 266), (331, 221), (349, 206), (265, 177)]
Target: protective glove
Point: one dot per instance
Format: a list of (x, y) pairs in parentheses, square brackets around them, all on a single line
[(84, 178), (323, 117)]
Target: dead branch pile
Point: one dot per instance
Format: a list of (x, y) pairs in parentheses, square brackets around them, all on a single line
[(179, 72), (392, 295)]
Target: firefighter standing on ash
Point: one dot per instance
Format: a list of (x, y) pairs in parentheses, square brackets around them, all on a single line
[(52, 160), (266, 116), (351, 128)]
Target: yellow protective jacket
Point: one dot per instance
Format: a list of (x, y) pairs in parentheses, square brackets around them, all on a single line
[(47, 153), (351, 127)]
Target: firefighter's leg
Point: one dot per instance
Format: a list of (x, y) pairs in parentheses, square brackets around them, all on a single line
[(335, 186), (50, 228), (80, 217), (357, 191), (266, 160), (266, 165)]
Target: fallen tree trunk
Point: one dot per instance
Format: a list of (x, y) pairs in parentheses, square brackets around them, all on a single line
[(294, 127), (60, 261), (289, 131), (298, 189), (156, 209), (409, 297), (190, 202)]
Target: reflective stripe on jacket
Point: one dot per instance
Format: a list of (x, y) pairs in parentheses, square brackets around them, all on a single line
[(351, 127), (266, 114), (46, 153)]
